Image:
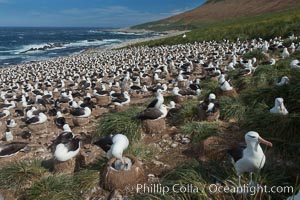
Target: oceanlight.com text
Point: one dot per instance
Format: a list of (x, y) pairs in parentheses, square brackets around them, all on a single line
[(212, 188), (252, 190)]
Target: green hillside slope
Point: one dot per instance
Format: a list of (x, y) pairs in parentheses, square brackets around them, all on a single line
[(266, 26)]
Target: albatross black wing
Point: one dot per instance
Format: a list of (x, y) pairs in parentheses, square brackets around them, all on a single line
[(64, 138), (2, 114), (36, 112), (60, 121), (150, 113), (116, 95), (5, 105), (236, 153), (77, 111), (120, 99), (194, 87), (153, 103), (173, 112), (186, 92), (32, 120), (104, 143), (11, 148), (73, 145)]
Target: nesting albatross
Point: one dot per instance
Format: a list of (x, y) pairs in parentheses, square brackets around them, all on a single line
[(279, 107), (249, 159), (11, 149), (114, 145), (154, 113), (65, 146), (156, 103)]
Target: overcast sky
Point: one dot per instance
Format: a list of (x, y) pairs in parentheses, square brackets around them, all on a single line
[(89, 13)]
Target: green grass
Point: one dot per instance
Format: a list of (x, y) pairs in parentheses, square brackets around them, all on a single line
[(232, 108), (239, 82), (30, 180), (273, 174), (262, 88), (200, 130), (63, 186), (285, 128), (141, 151), (208, 86), (266, 26), (124, 122), (53, 187), (255, 54), (257, 97), (87, 179), (187, 113), (20, 175)]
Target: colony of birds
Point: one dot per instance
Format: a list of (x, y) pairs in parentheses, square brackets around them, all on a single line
[(73, 91)]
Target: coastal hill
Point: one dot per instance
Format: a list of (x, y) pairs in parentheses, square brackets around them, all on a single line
[(216, 10)]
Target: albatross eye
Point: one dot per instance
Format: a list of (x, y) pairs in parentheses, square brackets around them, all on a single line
[(251, 136)]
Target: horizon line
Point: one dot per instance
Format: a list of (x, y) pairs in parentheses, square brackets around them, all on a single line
[(62, 27)]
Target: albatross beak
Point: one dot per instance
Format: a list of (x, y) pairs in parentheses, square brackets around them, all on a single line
[(261, 140), (123, 161)]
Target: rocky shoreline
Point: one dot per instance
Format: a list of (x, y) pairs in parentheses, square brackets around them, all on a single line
[(46, 47)]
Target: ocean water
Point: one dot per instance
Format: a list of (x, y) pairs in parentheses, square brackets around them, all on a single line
[(21, 45)]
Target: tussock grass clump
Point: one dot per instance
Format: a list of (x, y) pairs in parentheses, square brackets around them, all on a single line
[(86, 179), (53, 187), (283, 68), (264, 76), (121, 122), (20, 174), (273, 174), (254, 54), (239, 82), (63, 186), (208, 86), (187, 113), (232, 108), (265, 95), (293, 104), (96, 165), (283, 127), (200, 130), (141, 151), (264, 90)]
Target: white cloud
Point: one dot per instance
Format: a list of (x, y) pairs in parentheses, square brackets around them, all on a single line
[(178, 11)]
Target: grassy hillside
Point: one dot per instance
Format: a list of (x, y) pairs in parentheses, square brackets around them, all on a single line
[(251, 111), (265, 26), (218, 10)]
